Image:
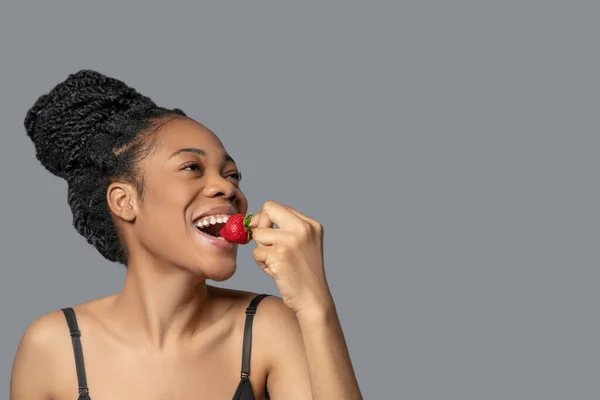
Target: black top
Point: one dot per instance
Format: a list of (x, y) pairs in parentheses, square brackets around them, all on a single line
[(244, 389)]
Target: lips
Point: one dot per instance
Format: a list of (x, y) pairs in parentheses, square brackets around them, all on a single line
[(213, 241)]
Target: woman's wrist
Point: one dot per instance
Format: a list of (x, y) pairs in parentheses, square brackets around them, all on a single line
[(317, 312)]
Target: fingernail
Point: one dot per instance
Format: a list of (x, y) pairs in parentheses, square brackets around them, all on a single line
[(254, 221)]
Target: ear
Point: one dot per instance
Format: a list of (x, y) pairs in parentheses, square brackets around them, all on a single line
[(122, 200)]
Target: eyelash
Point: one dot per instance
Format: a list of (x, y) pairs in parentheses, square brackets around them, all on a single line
[(235, 175), (189, 165)]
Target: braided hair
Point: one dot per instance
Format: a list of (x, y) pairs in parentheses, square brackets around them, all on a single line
[(91, 130)]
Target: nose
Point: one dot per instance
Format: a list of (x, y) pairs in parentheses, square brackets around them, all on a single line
[(218, 186)]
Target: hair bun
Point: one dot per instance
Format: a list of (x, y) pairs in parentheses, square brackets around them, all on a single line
[(61, 122)]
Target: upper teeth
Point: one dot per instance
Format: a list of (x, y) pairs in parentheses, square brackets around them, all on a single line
[(211, 220)]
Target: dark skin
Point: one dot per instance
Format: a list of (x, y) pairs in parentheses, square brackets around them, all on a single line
[(168, 334)]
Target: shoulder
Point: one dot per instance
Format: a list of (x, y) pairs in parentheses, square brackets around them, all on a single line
[(277, 333), (273, 320), (41, 335), (44, 357), (274, 316), (38, 356), (271, 311), (276, 326)]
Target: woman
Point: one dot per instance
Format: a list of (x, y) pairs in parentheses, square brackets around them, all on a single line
[(140, 179)]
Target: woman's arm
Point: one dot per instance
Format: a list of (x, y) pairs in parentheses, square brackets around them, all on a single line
[(329, 365), (293, 256), (308, 354)]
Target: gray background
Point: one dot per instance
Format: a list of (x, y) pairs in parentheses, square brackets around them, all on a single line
[(449, 149)]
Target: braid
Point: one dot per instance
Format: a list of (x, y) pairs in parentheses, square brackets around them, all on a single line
[(78, 129)]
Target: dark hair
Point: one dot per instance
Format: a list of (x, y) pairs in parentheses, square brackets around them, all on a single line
[(92, 130)]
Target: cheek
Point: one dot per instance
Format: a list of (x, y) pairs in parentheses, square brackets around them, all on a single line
[(162, 226), (163, 208)]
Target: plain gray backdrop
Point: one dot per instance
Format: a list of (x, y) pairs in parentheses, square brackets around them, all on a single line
[(450, 149)]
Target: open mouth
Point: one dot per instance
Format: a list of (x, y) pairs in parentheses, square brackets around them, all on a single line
[(212, 224)]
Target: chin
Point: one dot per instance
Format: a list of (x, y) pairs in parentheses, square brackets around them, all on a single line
[(220, 274), (216, 267), (213, 262)]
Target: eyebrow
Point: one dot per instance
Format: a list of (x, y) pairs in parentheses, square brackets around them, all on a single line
[(200, 152)]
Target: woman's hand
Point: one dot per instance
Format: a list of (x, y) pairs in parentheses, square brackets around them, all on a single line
[(293, 256)]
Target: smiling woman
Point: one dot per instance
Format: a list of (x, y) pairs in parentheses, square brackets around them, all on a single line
[(151, 189)]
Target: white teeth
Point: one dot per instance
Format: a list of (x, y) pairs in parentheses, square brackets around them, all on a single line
[(211, 220)]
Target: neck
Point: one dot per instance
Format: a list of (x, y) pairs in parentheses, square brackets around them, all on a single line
[(161, 306)]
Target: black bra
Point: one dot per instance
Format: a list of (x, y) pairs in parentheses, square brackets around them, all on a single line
[(244, 388)]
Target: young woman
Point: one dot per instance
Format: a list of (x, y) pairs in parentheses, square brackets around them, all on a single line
[(150, 188)]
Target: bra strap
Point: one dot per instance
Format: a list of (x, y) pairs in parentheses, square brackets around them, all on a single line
[(75, 338), (250, 312)]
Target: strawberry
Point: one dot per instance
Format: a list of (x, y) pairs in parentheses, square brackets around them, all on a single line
[(237, 229)]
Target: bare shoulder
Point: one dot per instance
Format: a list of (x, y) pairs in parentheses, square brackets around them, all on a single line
[(276, 326), (274, 317), (234, 299), (44, 356), (278, 332), (274, 323), (37, 359), (270, 311), (40, 337), (277, 345)]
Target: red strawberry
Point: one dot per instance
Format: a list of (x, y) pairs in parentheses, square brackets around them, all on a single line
[(237, 229)]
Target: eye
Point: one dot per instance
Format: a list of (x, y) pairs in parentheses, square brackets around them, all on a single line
[(191, 166), (236, 175)]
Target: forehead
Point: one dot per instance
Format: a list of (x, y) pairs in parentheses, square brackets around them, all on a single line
[(186, 133)]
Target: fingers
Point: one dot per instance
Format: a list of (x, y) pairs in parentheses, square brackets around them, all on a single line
[(259, 223), (284, 216), (287, 219), (267, 236), (260, 256), (280, 215), (298, 214), (263, 220)]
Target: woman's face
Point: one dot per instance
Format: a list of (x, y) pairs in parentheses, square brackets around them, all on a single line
[(188, 175)]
